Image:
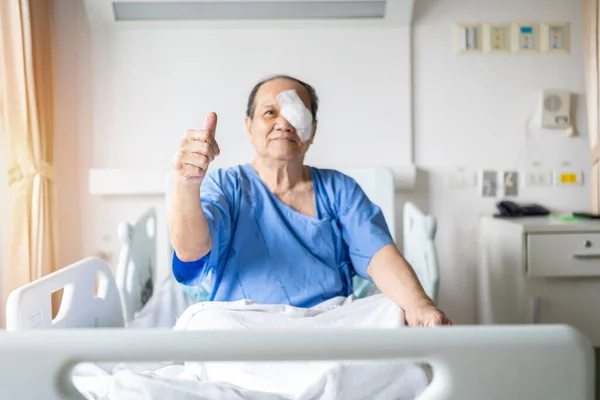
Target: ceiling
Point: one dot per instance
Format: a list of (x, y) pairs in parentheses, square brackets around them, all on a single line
[(115, 14)]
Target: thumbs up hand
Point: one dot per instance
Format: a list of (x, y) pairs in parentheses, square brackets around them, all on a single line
[(196, 151)]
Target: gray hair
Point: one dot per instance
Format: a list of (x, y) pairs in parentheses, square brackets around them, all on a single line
[(314, 100)]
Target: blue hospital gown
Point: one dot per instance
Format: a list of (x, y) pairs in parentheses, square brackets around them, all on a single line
[(264, 250)]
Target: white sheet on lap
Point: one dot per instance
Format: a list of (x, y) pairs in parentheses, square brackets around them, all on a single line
[(340, 312), (324, 380)]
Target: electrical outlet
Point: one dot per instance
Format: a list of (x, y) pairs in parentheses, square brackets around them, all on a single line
[(538, 179), (511, 183), (489, 183), (569, 178)]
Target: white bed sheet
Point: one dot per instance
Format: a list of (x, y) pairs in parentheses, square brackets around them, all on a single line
[(267, 380), (166, 382)]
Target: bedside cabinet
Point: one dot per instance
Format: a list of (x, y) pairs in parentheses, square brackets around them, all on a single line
[(539, 270)]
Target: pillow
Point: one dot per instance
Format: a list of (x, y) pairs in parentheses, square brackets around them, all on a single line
[(362, 287), (197, 293)]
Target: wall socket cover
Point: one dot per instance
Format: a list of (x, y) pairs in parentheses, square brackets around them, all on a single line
[(489, 183), (467, 38), (541, 178), (569, 178), (496, 38), (525, 37), (555, 37), (511, 183)]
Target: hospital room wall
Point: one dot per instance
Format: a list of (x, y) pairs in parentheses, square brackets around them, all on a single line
[(470, 112)]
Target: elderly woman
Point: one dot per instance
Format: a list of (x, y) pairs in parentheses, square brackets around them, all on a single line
[(277, 231)]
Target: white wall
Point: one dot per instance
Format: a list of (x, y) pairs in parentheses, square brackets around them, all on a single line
[(155, 84), (470, 112)]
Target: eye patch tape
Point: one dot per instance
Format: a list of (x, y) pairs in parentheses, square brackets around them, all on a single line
[(295, 112)]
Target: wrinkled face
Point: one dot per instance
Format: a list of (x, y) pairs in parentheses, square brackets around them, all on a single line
[(270, 133)]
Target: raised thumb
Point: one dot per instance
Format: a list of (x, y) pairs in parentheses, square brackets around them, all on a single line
[(210, 123)]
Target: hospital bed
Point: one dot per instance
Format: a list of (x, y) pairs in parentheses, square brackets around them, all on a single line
[(469, 362)]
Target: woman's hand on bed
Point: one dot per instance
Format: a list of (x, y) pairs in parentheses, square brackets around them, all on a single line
[(425, 314), (395, 277), (197, 149)]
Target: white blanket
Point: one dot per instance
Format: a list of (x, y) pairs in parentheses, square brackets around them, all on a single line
[(270, 380)]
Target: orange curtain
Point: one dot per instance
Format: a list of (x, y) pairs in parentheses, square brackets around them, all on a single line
[(591, 39), (26, 112)]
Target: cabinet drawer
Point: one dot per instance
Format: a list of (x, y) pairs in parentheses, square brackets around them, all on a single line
[(563, 254)]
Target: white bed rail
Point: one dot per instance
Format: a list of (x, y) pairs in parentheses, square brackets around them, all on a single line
[(30, 306), (136, 268), (469, 362), (419, 247)]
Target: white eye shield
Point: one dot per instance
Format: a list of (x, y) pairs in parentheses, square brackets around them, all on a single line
[(295, 112)]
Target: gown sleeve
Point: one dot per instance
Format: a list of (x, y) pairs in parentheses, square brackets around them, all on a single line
[(215, 194)]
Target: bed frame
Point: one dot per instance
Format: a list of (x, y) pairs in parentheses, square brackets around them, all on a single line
[(136, 267), (469, 362), (30, 306)]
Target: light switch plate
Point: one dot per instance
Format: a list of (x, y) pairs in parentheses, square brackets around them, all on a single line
[(489, 183), (511, 183)]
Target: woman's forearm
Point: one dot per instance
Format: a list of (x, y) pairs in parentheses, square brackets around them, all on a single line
[(188, 227), (396, 279)]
